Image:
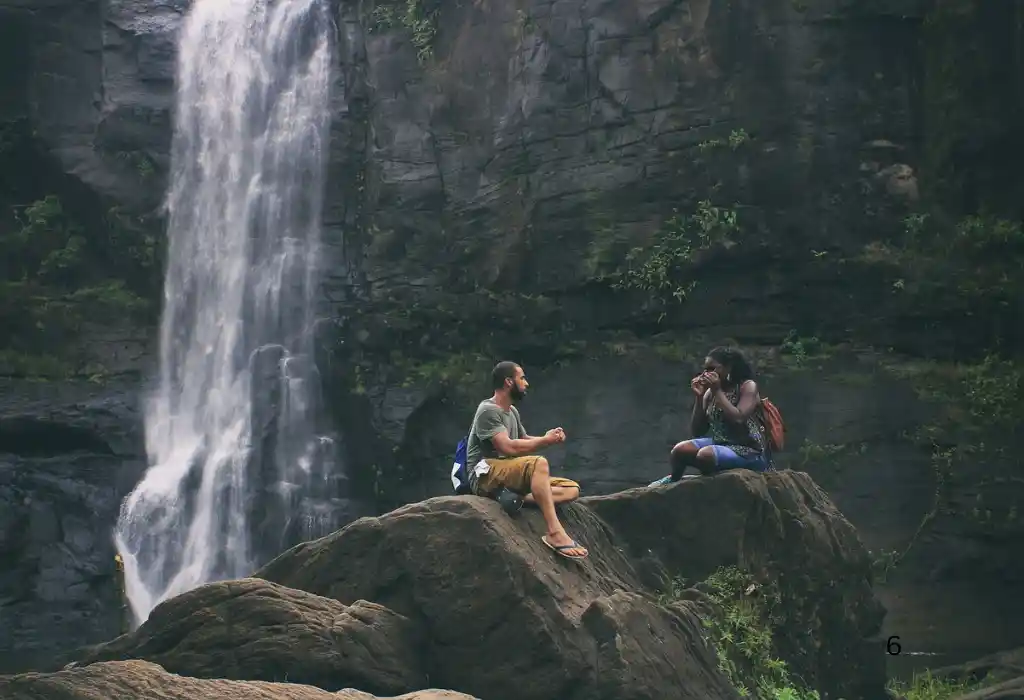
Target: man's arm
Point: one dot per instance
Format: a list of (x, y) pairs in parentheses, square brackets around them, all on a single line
[(523, 446), (491, 427)]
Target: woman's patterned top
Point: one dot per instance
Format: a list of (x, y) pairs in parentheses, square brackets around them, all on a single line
[(745, 439)]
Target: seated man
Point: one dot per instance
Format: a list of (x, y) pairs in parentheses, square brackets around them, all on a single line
[(500, 454)]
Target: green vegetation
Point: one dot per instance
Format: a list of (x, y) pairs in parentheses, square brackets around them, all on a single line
[(740, 630), (979, 406), (418, 17), (975, 398), (63, 266), (139, 161), (883, 562), (459, 369), (812, 453), (737, 138), (925, 686), (664, 270), (451, 343), (798, 351), (48, 258), (977, 258)]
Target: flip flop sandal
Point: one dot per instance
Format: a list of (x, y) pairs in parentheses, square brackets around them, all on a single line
[(561, 549)]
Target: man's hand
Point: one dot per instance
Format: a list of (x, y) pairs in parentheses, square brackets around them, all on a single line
[(555, 435)]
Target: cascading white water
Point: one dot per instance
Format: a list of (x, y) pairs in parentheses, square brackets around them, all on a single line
[(244, 206)]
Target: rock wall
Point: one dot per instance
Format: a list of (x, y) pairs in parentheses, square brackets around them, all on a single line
[(68, 455)]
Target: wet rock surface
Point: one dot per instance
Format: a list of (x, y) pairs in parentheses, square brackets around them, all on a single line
[(141, 680), (68, 454), (255, 630)]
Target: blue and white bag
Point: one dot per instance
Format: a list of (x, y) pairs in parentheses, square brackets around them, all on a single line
[(460, 474)]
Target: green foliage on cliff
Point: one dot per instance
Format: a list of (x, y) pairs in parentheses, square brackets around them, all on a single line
[(979, 407), (418, 17), (740, 630), (969, 270), (63, 267), (664, 270), (51, 278)]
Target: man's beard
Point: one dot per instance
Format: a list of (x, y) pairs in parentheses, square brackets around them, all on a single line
[(517, 394)]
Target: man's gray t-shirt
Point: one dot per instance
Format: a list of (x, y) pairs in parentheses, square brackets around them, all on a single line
[(490, 419)]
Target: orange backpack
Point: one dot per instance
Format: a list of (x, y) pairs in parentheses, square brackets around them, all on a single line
[(774, 428)]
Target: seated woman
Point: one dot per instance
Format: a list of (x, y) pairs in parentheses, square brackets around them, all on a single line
[(726, 415)]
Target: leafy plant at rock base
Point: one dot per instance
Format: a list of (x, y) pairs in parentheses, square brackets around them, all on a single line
[(925, 686), (740, 631), (663, 270)]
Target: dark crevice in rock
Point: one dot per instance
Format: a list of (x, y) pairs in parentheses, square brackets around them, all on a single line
[(30, 437)]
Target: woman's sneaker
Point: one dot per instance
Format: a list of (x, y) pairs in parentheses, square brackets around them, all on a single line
[(668, 479)]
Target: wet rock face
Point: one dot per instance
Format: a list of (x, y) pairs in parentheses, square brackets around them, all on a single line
[(544, 138), (535, 143), (98, 87), (65, 463)]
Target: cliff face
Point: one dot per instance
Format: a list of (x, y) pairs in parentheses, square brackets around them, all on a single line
[(68, 455), (494, 168)]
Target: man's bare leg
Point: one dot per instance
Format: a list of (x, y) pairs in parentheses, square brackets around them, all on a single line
[(559, 494), (540, 489)]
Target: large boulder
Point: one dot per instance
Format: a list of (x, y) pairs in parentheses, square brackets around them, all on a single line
[(1007, 690), (255, 630), (785, 530), (503, 616), (142, 680), (995, 668)]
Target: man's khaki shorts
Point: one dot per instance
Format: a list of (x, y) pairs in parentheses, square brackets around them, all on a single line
[(515, 474)]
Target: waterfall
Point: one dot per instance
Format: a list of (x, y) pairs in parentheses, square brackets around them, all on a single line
[(237, 469)]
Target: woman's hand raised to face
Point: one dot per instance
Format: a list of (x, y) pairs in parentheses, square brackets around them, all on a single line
[(698, 385), (713, 381)]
